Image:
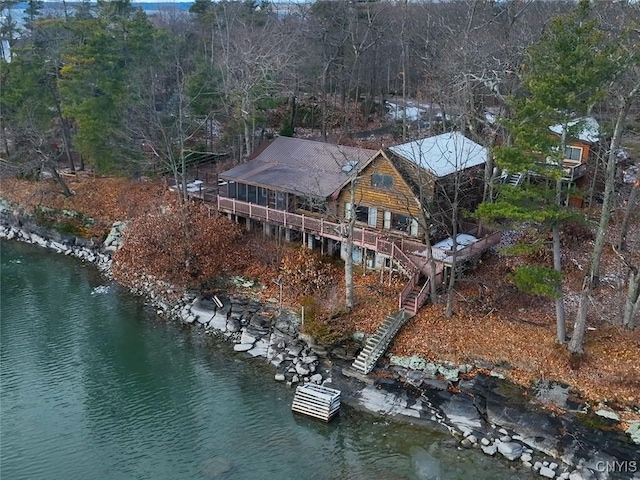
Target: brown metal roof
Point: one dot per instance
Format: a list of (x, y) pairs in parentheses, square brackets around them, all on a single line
[(302, 167)]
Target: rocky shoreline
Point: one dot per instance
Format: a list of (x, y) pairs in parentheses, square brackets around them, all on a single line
[(484, 411)]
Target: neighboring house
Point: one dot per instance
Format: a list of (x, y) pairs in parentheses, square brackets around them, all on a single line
[(580, 149)]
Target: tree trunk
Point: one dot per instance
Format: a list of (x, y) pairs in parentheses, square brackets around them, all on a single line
[(561, 329), (632, 303), (49, 165), (323, 119), (404, 71), (430, 260), (432, 273), (594, 181), (348, 268), (631, 207), (5, 141), (579, 329), (348, 261), (247, 137), (66, 134), (609, 191), (489, 175), (292, 113), (452, 277), (454, 244)]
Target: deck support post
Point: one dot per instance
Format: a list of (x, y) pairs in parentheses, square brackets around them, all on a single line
[(287, 234), (248, 224)]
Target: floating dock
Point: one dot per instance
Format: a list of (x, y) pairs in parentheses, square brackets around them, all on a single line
[(316, 401)]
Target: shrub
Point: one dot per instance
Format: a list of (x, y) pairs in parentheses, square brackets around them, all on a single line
[(305, 273), (536, 280), (183, 245)]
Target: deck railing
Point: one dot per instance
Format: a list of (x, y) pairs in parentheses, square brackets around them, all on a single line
[(573, 172), (319, 226)]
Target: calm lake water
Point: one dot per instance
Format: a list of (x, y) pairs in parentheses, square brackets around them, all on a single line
[(95, 386)]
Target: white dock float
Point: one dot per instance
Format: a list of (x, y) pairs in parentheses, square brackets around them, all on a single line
[(316, 401)]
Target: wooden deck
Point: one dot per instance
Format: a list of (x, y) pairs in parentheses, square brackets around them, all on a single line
[(409, 255)]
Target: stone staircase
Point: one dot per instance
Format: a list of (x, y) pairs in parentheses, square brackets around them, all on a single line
[(377, 343)]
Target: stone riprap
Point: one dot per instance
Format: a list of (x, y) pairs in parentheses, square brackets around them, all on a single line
[(260, 331), (65, 244)]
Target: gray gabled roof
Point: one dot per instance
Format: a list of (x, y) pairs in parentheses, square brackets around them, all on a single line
[(589, 129), (302, 167), (443, 154)]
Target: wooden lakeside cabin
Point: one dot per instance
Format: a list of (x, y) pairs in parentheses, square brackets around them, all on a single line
[(311, 191)]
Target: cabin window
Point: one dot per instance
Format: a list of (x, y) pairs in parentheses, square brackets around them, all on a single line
[(401, 223), (281, 201), (252, 195), (262, 196), (242, 192), (573, 153), (368, 215), (362, 214), (373, 217), (380, 180)]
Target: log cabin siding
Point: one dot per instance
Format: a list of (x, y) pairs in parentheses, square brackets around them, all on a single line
[(399, 199)]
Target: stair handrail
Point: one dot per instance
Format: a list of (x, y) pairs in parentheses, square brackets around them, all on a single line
[(408, 288), (422, 294), (383, 343), (399, 256)]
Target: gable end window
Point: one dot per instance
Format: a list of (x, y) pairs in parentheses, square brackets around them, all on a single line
[(381, 180)]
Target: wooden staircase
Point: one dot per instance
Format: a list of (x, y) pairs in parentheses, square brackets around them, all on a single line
[(514, 179), (377, 343), (415, 297)]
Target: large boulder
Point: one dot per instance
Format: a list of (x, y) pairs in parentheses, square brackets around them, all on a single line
[(510, 450), (260, 348)]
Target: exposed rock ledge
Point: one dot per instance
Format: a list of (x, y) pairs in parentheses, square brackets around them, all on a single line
[(487, 412)]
